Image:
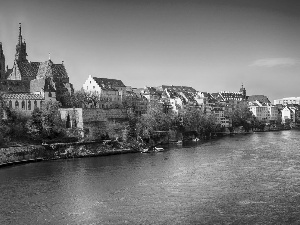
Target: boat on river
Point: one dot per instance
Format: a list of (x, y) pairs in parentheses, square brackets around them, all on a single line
[(152, 149)]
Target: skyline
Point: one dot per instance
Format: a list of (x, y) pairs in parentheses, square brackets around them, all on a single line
[(211, 46)]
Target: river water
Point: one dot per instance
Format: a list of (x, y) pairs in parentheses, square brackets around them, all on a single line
[(244, 179)]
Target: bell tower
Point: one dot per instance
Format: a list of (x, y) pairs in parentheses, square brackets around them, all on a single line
[(20, 48), (2, 63), (243, 90)]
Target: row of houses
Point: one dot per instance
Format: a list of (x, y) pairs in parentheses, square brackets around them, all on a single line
[(28, 84)]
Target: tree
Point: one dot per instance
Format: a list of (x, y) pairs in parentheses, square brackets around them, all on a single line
[(240, 116), (34, 125), (46, 123), (155, 119)]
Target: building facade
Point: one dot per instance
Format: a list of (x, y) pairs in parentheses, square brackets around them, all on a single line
[(111, 90), (29, 82)]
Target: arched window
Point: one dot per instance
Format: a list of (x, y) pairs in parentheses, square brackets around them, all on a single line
[(35, 104), (17, 104), (29, 105), (68, 122), (10, 104), (23, 104)]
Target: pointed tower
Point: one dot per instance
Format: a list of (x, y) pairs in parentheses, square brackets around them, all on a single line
[(2, 63), (20, 48), (243, 90)]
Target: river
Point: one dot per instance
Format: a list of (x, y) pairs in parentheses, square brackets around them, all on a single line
[(244, 179)]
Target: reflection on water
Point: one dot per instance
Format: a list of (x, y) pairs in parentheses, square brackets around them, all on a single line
[(246, 179)]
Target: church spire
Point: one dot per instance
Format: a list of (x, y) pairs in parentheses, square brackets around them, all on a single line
[(20, 34), (2, 63), (21, 47)]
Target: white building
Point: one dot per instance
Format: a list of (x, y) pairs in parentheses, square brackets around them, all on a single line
[(289, 112), (108, 89), (289, 100), (263, 112)]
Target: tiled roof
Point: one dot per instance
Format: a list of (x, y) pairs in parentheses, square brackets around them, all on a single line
[(28, 69), (41, 69), (109, 84), (260, 98), (14, 86), (46, 84), (179, 88), (59, 71), (22, 96)]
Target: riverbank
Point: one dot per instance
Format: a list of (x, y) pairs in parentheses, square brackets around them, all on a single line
[(33, 153)]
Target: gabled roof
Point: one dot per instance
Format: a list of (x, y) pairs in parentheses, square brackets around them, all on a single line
[(109, 84), (260, 98), (40, 69), (152, 91), (28, 69)]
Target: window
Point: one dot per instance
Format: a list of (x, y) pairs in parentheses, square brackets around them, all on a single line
[(16, 104), (23, 104), (41, 104), (29, 105), (49, 94), (10, 104), (35, 104)]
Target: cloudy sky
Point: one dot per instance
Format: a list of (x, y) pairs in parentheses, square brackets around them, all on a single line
[(212, 45)]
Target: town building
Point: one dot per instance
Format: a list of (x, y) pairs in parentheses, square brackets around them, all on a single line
[(109, 90), (289, 100), (263, 111)]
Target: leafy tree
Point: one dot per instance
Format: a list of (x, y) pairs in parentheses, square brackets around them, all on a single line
[(34, 125), (46, 122), (15, 124), (155, 119), (240, 116)]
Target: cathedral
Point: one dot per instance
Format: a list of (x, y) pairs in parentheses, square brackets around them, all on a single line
[(27, 84)]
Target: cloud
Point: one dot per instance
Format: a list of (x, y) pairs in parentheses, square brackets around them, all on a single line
[(271, 62)]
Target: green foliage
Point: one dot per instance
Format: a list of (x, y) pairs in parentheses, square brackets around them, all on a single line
[(13, 128), (34, 125), (241, 116), (195, 120), (155, 120), (46, 123)]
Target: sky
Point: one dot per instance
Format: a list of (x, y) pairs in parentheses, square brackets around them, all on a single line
[(212, 45)]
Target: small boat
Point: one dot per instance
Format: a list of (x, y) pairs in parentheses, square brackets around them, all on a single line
[(145, 150), (153, 149), (158, 149)]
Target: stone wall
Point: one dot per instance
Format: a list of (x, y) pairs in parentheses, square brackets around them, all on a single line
[(56, 151)]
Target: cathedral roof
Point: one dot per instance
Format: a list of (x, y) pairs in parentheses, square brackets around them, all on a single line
[(41, 69), (28, 69), (14, 86), (46, 84), (22, 96), (49, 69)]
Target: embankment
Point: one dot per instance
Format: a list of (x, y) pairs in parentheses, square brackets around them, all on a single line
[(31, 153)]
